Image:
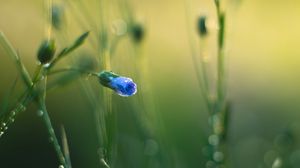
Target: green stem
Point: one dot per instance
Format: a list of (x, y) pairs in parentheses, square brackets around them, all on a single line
[(221, 61), (10, 117), (25, 99), (200, 76), (14, 55), (220, 108), (52, 135), (97, 110), (47, 122), (72, 70)]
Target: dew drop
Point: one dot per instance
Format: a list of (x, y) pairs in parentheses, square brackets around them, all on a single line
[(60, 166), (218, 156), (40, 113), (22, 108), (11, 119), (119, 27), (151, 147), (3, 124), (1, 133), (46, 65), (213, 140), (277, 163), (210, 164)]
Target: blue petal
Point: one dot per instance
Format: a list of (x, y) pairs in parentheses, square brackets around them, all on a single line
[(123, 86)]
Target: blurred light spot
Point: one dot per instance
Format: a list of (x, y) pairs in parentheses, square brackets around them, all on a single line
[(119, 27), (295, 158), (210, 164), (40, 113), (151, 147), (277, 163), (269, 157), (207, 150), (218, 156), (213, 140)]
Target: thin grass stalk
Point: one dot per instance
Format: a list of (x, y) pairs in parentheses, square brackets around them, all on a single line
[(220, 109), (144, 107), (199, 70), (8, 95), (97, 109), (42, 96), (106, 96), (47, 122), (10, 117), (14, 55), (216, 109)]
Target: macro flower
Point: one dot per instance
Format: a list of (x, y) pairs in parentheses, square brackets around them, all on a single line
[(123, 86)]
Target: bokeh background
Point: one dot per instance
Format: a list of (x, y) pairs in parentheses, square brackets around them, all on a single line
[(262, 63)]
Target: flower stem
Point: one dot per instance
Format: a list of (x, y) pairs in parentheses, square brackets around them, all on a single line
[(218, 126), (48, 124), (52, 135), (10, 117), (200, 73), (72, 70)]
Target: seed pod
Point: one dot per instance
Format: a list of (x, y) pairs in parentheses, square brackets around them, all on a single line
[(46, 51), (201, 26)]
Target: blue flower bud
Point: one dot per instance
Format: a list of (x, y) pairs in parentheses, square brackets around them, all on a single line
[(123, 86)]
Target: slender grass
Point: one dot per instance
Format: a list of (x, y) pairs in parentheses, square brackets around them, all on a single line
[(218, 110), (101, 105), (45, 116)]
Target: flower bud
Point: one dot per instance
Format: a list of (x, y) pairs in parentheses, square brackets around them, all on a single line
[(137, 32), (201, 26), (58, 16), (46, 51), (123, 86)]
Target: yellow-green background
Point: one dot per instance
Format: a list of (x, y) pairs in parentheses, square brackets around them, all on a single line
[(262, 63)]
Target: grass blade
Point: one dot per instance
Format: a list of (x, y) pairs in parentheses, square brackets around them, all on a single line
[(14, 55)]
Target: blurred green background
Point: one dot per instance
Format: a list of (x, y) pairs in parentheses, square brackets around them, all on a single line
[(262, 58)]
